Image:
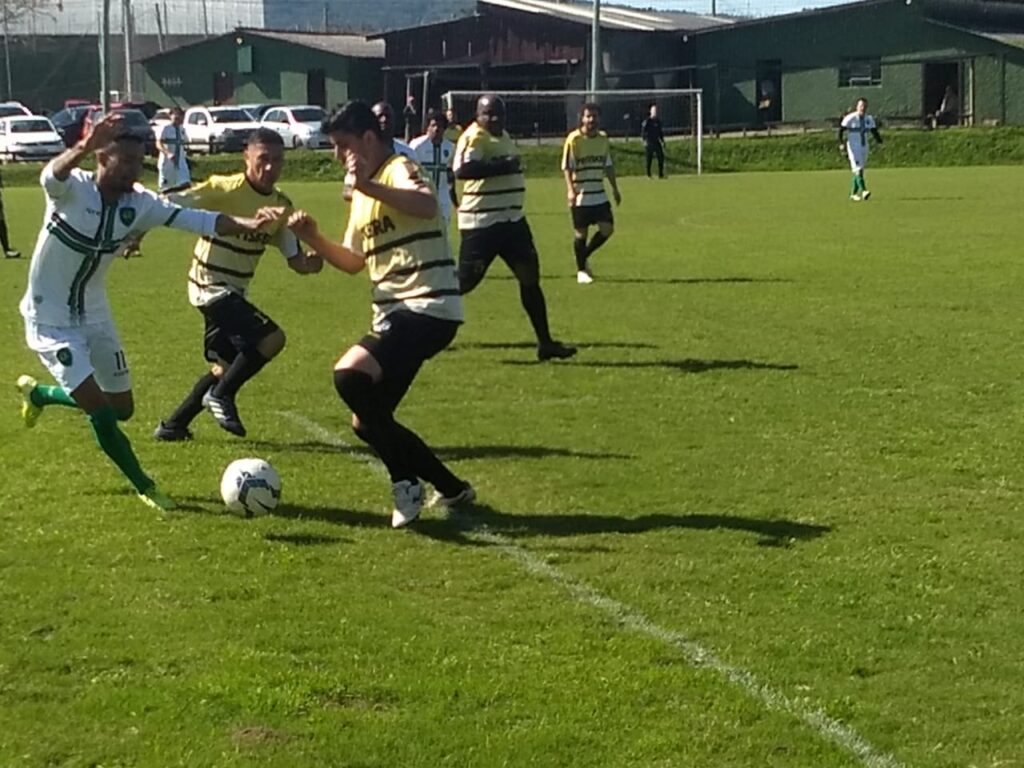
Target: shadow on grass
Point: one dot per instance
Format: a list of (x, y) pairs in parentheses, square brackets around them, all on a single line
[(460, 527), (687, 365), (447, 453), (458, 346), (598, 279), (305, 539)]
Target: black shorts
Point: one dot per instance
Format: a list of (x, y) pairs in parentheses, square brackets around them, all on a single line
[(584, 216), (233, 325), (408, 340), (511, 240)]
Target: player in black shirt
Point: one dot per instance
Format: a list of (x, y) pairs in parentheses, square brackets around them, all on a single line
[(654, 141)]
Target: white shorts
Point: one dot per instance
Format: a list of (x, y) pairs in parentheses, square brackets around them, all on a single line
[(858, 158), (72, 355), (170, 175)]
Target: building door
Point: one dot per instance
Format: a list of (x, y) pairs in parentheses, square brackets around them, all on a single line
[(937, 77), (768, 89), (223, 87), (316, 87)]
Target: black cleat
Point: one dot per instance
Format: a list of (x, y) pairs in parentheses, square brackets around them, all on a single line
[(225, 412), (171, 434), (554, 350)]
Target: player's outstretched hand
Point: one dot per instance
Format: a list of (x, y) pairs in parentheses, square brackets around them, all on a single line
[(304, 226), (269, 214), (104, 131)]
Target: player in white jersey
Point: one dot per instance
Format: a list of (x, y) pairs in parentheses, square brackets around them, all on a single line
[(68, 323), (172, 165), (435, 155), (859, 124)]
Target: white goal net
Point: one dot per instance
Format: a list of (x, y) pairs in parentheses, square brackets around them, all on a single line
[(547, 116)]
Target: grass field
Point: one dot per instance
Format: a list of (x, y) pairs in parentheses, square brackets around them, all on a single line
[(769, 516)]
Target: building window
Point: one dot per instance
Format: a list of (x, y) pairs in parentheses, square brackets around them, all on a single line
[(858, 71)]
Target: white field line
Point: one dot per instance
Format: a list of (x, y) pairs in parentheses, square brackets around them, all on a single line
[(699, 656)]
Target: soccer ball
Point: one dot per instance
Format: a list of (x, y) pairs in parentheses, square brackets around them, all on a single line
[(250, 486)]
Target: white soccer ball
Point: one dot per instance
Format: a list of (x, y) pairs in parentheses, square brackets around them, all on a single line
[(250, 486)]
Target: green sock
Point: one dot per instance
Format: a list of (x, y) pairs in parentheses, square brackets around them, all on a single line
[(115, 444), (856, 185), (863, 184), (44, 394)]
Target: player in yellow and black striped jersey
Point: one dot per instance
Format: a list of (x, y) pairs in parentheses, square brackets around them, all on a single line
[(395, 232), (586, 160), (491, 218), (239, 339)]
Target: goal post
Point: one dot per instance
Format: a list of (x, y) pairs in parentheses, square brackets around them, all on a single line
[(546, 117)]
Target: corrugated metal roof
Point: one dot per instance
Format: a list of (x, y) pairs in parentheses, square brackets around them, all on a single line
[(614, 16), (356, 46), (1006, 39)]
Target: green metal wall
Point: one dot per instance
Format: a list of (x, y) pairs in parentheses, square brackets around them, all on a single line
[(279, 73), (810, 48)]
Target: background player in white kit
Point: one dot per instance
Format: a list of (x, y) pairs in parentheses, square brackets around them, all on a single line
[(172, 165), (859, 124), (435, 155), (68, 323)]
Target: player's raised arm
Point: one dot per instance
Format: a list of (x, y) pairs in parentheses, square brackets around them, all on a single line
[(100, 134), (334, 253), (414, 196)]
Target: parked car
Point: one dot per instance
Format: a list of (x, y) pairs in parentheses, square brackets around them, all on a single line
[(298, 126), (68, 122), (9, 108), (160, 118), (24, 137), (135, 122), (256, 111), (218, 129)]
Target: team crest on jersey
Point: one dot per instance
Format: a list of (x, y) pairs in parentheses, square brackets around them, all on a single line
[(64, 356), (127, 216)]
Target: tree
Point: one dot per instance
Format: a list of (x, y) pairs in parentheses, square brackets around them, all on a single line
[(12, 10)]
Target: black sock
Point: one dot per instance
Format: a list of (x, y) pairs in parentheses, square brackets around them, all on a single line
[(192, 405), (579, 247), (596, 242), (3, 236), (426, 464), (244, 367), (533, 302), (377, 428)]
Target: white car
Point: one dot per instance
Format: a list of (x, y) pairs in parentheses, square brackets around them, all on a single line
[(29, 138), (298, 126), (13, 108), (217, 129)]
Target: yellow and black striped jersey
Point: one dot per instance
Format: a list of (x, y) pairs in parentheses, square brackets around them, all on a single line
[(410, 264), (496, 199), (226, 264), (587, 157)]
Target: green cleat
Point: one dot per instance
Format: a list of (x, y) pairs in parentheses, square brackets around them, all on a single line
[(30, 412), (157, 499)]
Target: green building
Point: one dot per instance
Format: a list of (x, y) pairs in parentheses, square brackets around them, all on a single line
[(901, 55), (261, 66)]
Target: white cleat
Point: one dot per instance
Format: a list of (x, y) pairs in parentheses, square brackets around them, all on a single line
[(866, 195), (583, 278), (855, 198), (408, 502), (466, 496)]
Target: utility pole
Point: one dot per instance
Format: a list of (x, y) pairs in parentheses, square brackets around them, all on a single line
[(105, 56), (206, 19), (595, 50), (714, 7), (159, 28), (7, 53), (126, 28)]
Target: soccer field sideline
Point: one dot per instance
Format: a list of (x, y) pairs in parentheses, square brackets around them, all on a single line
[(629, 618)]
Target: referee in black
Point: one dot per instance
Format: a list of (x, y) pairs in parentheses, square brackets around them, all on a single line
[(654, 141)]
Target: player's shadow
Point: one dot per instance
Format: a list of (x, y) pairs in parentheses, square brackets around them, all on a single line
[(658, 280), (457, 346), (305, 539), (484, 526), (687, 365), (448, 453)]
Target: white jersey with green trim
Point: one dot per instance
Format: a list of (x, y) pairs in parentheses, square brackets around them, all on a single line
[(81, 236)]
